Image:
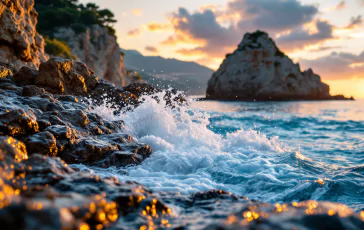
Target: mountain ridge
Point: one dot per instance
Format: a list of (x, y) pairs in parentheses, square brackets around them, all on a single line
[(187, 76)]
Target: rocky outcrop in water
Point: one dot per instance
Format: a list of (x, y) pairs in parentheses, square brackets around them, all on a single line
[(20, 45), (258, 70), (98, 50)]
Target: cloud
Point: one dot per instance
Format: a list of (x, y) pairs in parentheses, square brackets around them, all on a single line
[(151, 49), (153, 26), (299, 38), (214, 31), (134, 32), (137, 12), (355, 22), (272, 15), (337, 66), (325, 48), (202, 28), (341, 5)]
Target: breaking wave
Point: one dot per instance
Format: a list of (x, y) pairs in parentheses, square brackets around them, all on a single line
[(194, 151)]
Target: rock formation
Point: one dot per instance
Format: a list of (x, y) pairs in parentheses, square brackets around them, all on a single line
[(47, 122), (98, 50), (20, 45), (58, 124), (258, 70)]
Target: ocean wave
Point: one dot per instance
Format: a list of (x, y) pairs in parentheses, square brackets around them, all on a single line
[(193, 151)]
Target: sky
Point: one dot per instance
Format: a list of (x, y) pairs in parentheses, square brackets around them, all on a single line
[(325, 35)]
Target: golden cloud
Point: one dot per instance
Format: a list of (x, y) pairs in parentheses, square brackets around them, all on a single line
[(134, 33), (341, 5), (137, 12), (153, 26), (151, 49)]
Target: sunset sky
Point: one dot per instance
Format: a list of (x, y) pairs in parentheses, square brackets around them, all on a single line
[(327, 35)]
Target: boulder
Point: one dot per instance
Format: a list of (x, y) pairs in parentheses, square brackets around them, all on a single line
[(42, 143), (258, 70), (11, 150), (32, 90), (25, 76), (20, 45), (16, 121), (63, 76)]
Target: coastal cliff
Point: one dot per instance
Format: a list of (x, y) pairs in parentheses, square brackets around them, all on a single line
[(258, 70), (98, 50), (82, 32), (20, 44)]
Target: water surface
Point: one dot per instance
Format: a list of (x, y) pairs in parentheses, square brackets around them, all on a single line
[(270, 151)]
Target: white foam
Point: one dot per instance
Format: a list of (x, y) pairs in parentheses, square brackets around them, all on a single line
[(188, 157)]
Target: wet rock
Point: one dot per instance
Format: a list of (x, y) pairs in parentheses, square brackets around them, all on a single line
[(53, 106), (171, 97), (89, 151), (61, 131), (121, 138), (43, 124), (11, 150), (43, 143), (139, 89), (25, 76), (303, 215), (75, 117), (68, 98), (65, 136), (7, 84), (16, 121), (32, 90), (5, 72), (116, 96), (62, 76)]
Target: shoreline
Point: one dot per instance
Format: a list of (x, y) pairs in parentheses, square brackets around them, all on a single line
[(273, 100)]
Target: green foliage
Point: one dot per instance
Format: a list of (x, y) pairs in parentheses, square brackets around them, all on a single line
[(134, 74), (279, 53), (69, 13), (58, 48), (138, 77), (254, 36), (79, 28)]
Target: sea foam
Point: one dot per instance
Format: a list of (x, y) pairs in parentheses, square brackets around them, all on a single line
[(189, 157)]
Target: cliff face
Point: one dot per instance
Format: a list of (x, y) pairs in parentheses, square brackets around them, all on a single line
[(98, 50), (20, 45), (258, 70)]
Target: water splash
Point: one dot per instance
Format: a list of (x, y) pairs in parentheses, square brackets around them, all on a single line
[(189, 157)]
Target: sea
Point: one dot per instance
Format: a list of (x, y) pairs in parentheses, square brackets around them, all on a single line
[(274, 152)]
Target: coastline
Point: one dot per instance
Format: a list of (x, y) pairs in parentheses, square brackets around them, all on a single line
[(276, 100)]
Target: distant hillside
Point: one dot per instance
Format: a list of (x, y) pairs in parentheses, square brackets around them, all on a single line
[(187, 76)]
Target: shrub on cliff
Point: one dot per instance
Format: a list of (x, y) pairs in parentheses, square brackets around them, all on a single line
[(58, 48)]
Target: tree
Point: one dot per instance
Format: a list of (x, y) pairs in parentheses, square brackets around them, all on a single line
[(106, 17)]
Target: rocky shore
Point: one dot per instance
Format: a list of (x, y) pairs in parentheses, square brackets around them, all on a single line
[(48, 128), (259, 71), (47, 125)]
